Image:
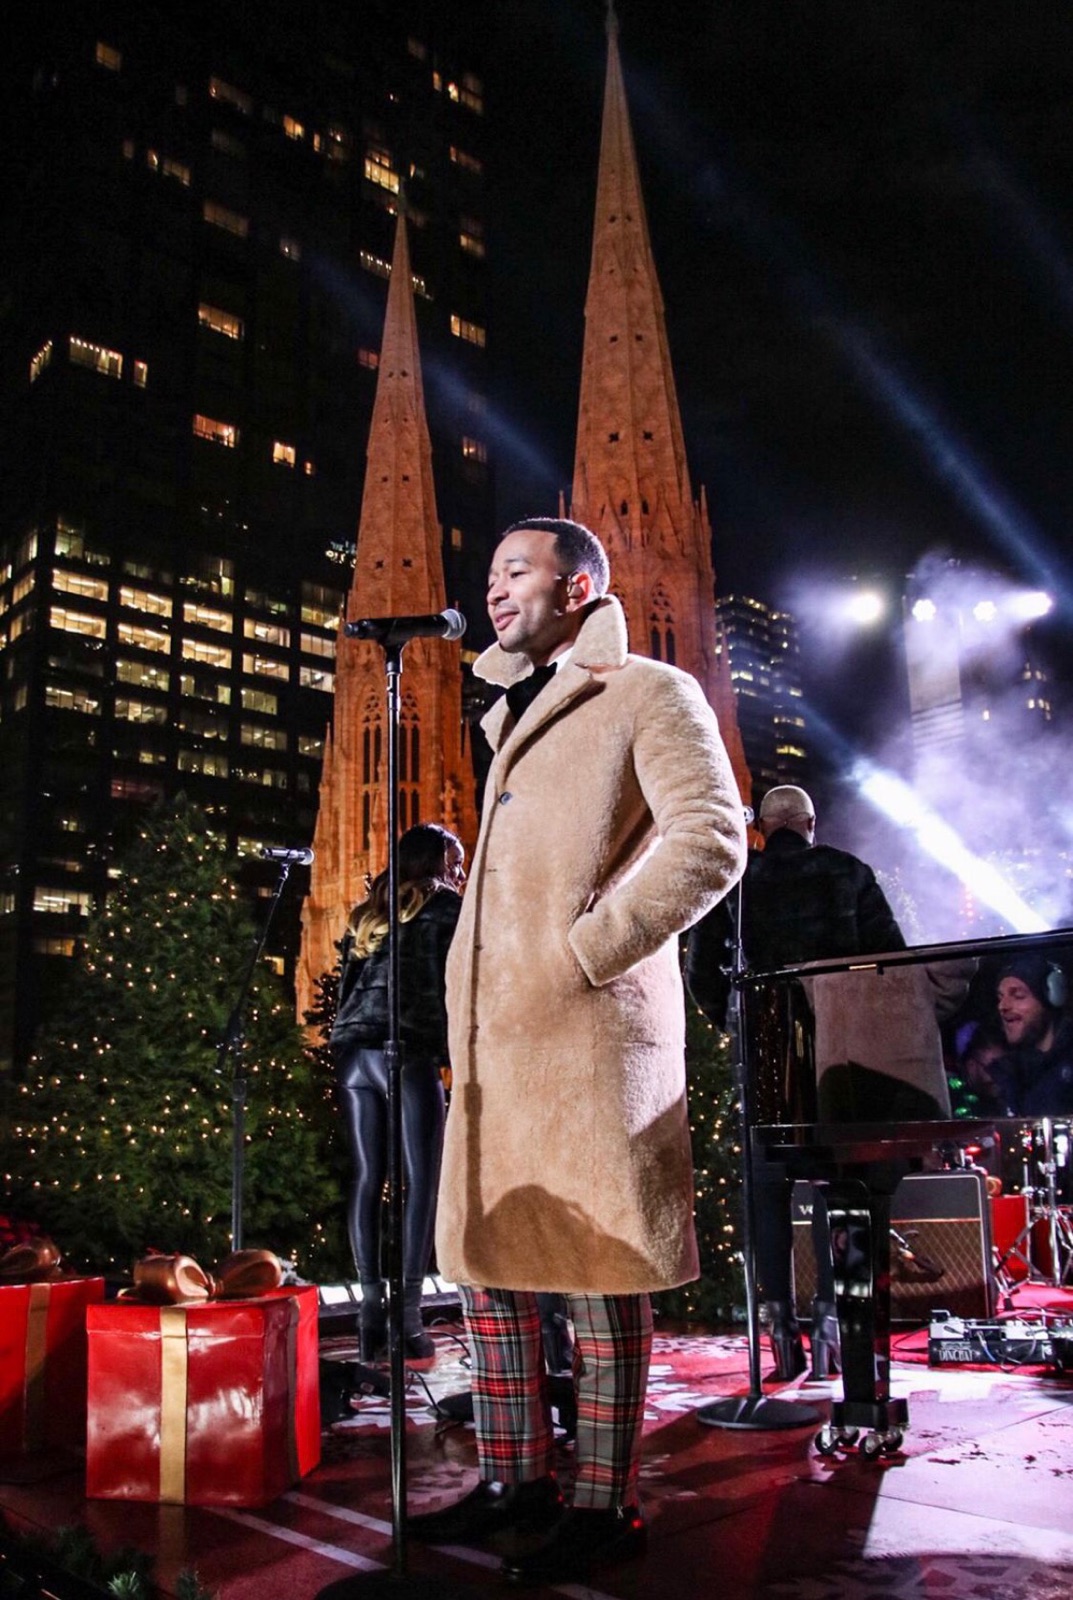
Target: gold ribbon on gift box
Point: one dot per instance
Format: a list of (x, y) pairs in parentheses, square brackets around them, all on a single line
[(35, 1265), (175, 1282)]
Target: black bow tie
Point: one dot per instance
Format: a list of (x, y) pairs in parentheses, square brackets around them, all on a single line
[(520, 695)]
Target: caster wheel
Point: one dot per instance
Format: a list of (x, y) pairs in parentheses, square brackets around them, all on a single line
[(892, 1441), (871, 1446), (826, 1442), (849, 1437)]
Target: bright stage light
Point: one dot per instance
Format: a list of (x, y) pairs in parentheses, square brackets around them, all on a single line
[(866, 607), (1030, 605), (924, 611), (896, 800), (985, 611)]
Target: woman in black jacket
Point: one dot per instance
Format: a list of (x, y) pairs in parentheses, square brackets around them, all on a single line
[(431, 877)]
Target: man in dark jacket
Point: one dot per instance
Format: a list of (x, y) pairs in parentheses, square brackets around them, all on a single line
[(800, 902), (1034, 1077)]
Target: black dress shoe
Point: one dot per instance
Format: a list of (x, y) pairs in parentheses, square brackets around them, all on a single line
[(491, 1508), (580, 1541)]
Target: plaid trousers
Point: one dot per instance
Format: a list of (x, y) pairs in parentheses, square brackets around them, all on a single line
[(612, 1349)]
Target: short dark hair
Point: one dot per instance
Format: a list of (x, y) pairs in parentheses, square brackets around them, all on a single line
[(577, 547)]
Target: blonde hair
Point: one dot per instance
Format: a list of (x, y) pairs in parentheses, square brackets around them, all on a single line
[(422, 870)]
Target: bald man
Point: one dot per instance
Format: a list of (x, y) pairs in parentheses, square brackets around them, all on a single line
[(800, 902)]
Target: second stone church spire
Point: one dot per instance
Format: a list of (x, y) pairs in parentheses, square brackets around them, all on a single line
[(631, 479), (398, 572)]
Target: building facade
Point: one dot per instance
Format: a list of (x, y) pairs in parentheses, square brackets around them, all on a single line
[(763, 657), (201, 226)]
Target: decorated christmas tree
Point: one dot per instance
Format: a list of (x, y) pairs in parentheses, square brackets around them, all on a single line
[(123, 1130), (719, 1293)]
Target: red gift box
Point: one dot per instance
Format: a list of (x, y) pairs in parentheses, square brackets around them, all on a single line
[(43, 1363), (210, 1404)]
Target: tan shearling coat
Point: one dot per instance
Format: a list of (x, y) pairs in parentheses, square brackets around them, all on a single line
[(611, 822)]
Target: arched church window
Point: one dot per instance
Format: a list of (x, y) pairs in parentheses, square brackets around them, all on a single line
[(661, 627)]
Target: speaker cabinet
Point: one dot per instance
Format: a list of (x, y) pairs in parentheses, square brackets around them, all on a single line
[(944, 1261)]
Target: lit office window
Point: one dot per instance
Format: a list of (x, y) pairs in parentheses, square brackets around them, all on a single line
[(375, 264), (260, 666), (213, 655), (62, 901), (143, 674), (96, 357), (267, 777), (316, 644), (468, 93), (141, 711), (368, 358), (320, 605), (159, 605), (314, 678), (133, 633), (66, 698), (310, 745), (293, 128), (206, 724), (207, 616), (471, 332), (107, 56), (456, 538), (216, 432), (76, 622), (223, 217), (79, 583), (260, 700), (226, 92), (290, 248), (471, 237), (40, 361), (25, 586), (141, 374), (284, 455), (380, 170), (262, 737), (474, 449), (198, 686), (208, 763), (266, 632), (220, 321)]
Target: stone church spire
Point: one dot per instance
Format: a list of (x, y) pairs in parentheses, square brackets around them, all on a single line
[(398, 572), (631, 479)]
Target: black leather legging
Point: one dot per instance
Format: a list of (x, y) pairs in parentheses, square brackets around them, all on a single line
[(361, 1079)]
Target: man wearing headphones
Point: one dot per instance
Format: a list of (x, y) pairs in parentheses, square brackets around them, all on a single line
[(1034, 1076)]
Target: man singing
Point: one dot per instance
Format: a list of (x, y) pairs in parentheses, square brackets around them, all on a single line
[(611, 822)]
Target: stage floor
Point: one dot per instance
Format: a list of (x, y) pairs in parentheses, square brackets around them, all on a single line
[(975, 1507)]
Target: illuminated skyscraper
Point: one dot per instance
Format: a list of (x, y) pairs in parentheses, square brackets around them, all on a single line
[(200, 233)]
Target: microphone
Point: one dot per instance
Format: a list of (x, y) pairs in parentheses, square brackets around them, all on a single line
[(396, 630), (279, 852)]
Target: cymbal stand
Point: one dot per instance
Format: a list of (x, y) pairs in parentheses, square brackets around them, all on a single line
[(1059, 1229)]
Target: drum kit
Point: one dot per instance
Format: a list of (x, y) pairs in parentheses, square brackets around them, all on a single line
[(1040, 1165)]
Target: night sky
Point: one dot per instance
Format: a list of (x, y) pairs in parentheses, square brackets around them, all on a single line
[(862, 225)]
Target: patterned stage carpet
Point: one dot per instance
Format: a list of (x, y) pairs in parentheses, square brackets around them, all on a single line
[(975, 1507)]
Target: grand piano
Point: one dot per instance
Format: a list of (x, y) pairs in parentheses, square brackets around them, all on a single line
[(859, 1159)]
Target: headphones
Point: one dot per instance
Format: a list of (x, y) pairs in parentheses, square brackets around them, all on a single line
[(1056, 986)]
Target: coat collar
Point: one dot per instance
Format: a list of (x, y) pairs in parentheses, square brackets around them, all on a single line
[(601, 643)]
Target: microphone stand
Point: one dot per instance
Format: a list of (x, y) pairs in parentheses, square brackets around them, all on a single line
[(395, 1581), (754, 1410), (230, 1044)]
